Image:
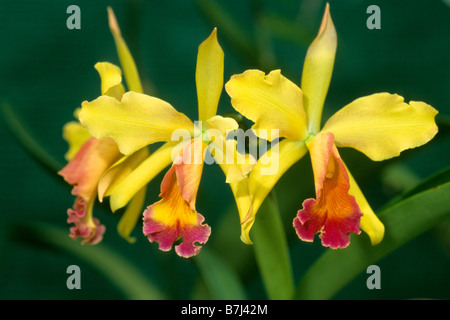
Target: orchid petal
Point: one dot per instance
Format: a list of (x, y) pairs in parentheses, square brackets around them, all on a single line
[(131, 215), (243, 202), (175, 216), (223, 124), (85, 225), (265, 174), (136, 121), (209, 76), (256, 95), (189, 166), (83, 173), (125, 57), (370, 223), (225, 150), (116, 173), (249, 193), (86, 168), (111, 79), (75, 135), (121, 193), (235, 165), (382, 125), (334, 213), (317, 71)]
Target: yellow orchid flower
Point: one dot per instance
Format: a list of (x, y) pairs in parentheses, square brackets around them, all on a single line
[(379, 125), (138, 120), (95, 166), (88, 159)]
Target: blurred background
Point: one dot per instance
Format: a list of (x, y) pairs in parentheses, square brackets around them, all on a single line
[(46, 71)]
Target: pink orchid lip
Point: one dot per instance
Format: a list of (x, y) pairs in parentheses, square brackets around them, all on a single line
[(174, 217), (167, 235), (334, 213), (85, 226)]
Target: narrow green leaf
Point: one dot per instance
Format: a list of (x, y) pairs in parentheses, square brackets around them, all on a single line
[(127, 278), (439, 178), (271, 250), (222, 282), (404, 221), (26, 139)]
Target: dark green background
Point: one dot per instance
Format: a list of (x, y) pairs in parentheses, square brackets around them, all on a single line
[(46, 71)]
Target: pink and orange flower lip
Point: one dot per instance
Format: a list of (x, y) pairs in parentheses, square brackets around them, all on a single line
[(334, 213), (175, 216)]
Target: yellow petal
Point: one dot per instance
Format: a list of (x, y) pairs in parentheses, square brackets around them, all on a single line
[(225, 150), (250, 192), (209, 76), (317, 71), (370, 223), (269, 169), (243, 202), (382, 125), (125, 57), (136, 121), (121, 193), (119, 171), (111, 79), (272, 102), (235, 164), (131, 215), (224, 124), (75, 135)]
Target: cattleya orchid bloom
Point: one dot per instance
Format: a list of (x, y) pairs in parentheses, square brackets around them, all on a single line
[(91, 164), (96, 165), (138, 120), (380, 125)]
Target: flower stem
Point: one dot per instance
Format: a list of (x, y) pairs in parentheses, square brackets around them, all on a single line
[(131, 281), (271, 250), (26, 139)]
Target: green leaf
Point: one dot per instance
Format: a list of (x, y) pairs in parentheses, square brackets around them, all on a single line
[(439, 178), (271, 250), (26, 139), (131, 281), (404, 221), (222, 282)]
